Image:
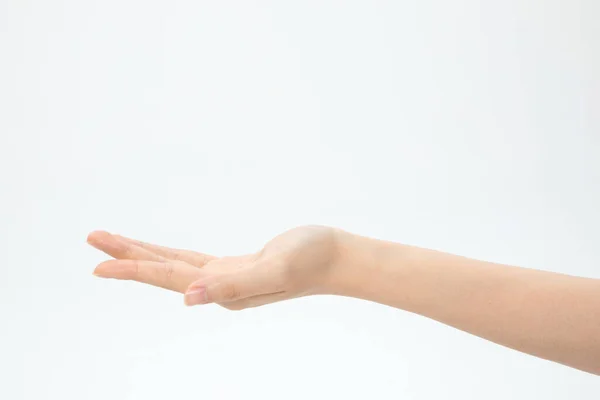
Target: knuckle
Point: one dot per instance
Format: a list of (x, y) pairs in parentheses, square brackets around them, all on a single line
[(229, 292), (122, 250), (135, 270), (168, 269), (125, 252), (176, 254)]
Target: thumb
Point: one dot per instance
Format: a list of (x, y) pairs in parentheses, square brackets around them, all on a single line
[(229, 287)]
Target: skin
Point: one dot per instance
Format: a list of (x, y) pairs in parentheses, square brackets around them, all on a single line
[(548, 315)]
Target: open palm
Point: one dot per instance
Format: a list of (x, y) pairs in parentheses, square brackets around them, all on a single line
[(296, 263)]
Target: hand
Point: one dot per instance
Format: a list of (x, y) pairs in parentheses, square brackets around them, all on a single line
[(299, 262)]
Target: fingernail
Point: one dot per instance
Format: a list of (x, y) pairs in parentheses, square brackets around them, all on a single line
[(196, 296)]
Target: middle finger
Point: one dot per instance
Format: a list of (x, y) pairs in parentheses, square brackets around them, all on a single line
[(120, 249)]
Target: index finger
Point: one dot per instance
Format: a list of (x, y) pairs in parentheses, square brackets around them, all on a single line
[(171, 275), (191, 257)]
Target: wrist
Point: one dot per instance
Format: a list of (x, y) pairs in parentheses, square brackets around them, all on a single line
[(378, 271), (364, 266)]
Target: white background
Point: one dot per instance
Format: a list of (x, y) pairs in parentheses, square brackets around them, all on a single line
[(466, 126)]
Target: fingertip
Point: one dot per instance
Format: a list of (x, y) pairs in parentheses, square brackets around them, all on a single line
[(115, 269), (195, 296), (96, 236), (100, 270)]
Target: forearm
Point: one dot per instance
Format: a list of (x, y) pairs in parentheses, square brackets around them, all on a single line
[(553, 316)]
